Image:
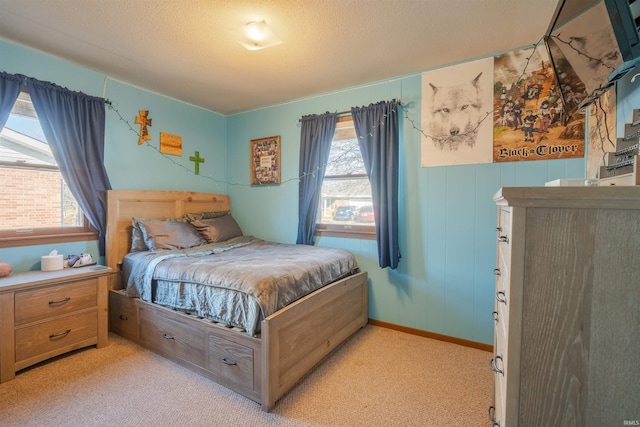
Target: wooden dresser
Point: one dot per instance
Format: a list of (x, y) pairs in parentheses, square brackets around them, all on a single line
[(567, 310), (45, 314)]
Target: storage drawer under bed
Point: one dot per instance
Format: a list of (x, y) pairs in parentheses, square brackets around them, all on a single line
[(173, 338), (123, 315), (231, 361), (227, 356)]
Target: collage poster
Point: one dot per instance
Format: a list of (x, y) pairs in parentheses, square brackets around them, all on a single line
[(529, 121)]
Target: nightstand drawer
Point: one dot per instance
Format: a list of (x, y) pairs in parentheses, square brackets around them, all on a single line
[(44, 340), (42, 303), (231, 361)]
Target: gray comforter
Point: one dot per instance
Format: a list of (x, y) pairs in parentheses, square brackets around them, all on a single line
[(238, 282)]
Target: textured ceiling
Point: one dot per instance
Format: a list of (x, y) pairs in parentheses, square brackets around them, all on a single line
[(184, 48)]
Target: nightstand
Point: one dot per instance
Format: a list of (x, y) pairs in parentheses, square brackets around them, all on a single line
[(47, 313)]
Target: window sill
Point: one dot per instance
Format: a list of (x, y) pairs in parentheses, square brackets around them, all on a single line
[(10, 242), (365, 232)]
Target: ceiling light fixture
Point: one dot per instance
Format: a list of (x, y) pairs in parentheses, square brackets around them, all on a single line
[(256, 35)]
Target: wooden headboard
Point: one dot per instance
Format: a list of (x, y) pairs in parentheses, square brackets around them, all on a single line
[(123, 205)]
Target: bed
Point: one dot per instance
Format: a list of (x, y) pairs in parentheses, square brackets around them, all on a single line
[(260, 355)]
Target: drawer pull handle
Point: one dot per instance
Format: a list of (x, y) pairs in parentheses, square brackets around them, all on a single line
[(59, 302), (167, 337), (123, 317), (228, 362), (498, 229), (497, 272), (492, 416), (59, 335), (492, 413), (501, 297), (495, 315), (494, 365), (504, 239)]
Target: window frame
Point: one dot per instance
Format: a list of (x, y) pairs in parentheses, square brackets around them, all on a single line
[(44, 235), (349, 231), (47, 235)]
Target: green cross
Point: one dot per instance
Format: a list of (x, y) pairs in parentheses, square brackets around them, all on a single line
[(198, 160)]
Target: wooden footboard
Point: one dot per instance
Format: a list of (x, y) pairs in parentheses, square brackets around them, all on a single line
[(300, 335)]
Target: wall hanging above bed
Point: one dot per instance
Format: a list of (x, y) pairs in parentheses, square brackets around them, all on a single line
[(265, 160)]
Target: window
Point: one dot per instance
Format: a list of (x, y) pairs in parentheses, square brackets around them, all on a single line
[(36, 206), (345, 208)]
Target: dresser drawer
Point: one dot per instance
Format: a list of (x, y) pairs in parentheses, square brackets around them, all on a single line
[(123, 315), (46, 302), (500, 341), (503, 236), (231, 361), (48, 339), (504, 219), (499, 412), (171, 338), (502, 293), (498, 366)]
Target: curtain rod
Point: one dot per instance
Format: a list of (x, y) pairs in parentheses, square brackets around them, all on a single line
[(339, 114), (344, 113)]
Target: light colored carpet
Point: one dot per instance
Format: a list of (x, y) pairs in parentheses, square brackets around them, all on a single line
[(380, 377)]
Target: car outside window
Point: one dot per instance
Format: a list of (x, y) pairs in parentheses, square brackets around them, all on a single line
[(345, 188)]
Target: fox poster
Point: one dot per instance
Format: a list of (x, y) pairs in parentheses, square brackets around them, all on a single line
[(457, 114), (529, 121)]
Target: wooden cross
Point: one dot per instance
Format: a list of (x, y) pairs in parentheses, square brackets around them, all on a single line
[(143, 121), (198, 160)]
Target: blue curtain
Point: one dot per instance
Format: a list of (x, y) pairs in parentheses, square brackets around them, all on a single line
[(73, 124), (378, 135), (315, 144), (10, 85)]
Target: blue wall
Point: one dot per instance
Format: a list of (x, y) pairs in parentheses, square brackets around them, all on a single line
[(444, 282), (129, 165)]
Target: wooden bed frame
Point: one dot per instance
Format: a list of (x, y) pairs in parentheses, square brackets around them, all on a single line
[(262, 368)]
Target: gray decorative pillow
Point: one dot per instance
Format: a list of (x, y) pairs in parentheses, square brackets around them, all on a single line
[(169, 234), (218, 229), (137, 239), (204, 215)]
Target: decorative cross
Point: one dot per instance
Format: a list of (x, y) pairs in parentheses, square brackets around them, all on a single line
[(143, 121), (198, 160)]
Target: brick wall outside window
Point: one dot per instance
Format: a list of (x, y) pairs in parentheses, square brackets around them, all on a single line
[(30, 198)]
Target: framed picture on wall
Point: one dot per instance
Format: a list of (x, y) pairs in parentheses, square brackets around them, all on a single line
[(265, 160), (456, 109)]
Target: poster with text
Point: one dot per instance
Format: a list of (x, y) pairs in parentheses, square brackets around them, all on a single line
[(529, 122), (456, 114)]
